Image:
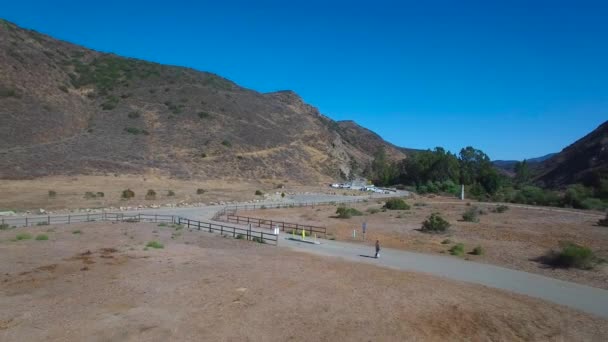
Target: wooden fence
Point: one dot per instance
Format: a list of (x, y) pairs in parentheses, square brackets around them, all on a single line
[(236, 232), (263, 223)]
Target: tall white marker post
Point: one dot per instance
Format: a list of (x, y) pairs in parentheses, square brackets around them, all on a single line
[(462, 192)]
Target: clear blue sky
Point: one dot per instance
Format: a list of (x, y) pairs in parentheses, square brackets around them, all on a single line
[(517, 79)]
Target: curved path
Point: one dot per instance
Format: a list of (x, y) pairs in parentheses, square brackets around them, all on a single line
[(581, 297)]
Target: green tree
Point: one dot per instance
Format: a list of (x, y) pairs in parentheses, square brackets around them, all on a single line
[(522, 173)]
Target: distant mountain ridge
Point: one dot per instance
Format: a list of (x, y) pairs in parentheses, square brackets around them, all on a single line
[(508, 165), (585, 161), (66, 109)]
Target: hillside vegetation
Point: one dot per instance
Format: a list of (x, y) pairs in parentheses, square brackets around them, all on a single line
[(65, 110)]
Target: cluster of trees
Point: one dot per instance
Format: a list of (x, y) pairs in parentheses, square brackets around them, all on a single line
[(439, 171)]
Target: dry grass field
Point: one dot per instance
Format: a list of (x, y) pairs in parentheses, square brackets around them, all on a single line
[(513, 239), (98, 282), (70, 191)]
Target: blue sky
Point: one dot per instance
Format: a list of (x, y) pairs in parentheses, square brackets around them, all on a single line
[(517, 79)]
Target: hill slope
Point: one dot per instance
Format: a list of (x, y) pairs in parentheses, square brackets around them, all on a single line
[(585, 161), (65, 109)]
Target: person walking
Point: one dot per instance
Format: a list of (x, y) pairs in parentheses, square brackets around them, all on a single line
[(377, 249)]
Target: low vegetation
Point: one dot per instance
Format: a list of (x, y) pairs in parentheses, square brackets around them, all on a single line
[(151, 194), (396, 204), (155, 244), (435, 224), (52, 194), (4, 226), (226, 143), (127, 194), (373, 210), (23, 236), (345, 213), (259, 193), (572, 255), (134, 115), (170, 193), (471, 215), (42, 237), (457, 250), (200, 191), (477, 250), (500, 209), (76, 232), (203, 115), (136, 131)]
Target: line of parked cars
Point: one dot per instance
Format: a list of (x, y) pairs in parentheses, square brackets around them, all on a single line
[(369, 188)]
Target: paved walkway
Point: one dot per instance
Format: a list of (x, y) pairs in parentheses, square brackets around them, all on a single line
[(581, 297)]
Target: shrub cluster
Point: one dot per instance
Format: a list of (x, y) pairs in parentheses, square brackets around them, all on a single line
[(396, 204), (500, 209), (471, 215), (136, 131), (259, 193), (435, 224), (151, 194), (345, 213), (457, 250), (603, 222), (572, 255), (52, 194), (127, 194)]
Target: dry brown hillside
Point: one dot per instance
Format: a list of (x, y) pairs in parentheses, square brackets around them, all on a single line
[(65, 109)]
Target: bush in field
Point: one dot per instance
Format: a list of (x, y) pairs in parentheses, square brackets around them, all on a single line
[(89, 195), (471, 215), (501, 209), (42, 237), (4, 226), (477, 251), (435, 224), (151, 194), (200, 191), (396, 204), (373, 210), (345, 213), (52, 194), (128, 194), (259, 193), (457, 250), (572, 255), (100, 194), (170, 193), (23, 236), (155, 244)]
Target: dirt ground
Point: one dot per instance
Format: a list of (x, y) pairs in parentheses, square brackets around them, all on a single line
[(34, 194), (99, 284), (514, 239)]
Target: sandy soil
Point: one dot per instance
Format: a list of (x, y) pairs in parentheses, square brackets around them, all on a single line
[(34, 194), (514, 239), (100, 285)]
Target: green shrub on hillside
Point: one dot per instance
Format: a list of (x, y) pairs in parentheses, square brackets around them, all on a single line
[(128, 194), (151, 194), (259, 193), (457, 250), (471, 215)]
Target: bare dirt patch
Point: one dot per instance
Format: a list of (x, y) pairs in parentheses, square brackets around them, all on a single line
[(202, 286), (513, 239)]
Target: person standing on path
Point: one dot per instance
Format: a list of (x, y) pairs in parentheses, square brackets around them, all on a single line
[(377, 249)]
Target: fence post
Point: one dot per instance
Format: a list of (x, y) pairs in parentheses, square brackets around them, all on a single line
[(26, 221), (48, 220), (199, 225)]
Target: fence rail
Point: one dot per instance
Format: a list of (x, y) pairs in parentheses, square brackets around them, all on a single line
[(247, 234), (263, 223)]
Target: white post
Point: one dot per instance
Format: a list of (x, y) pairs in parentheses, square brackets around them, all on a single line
[(462, 192)]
